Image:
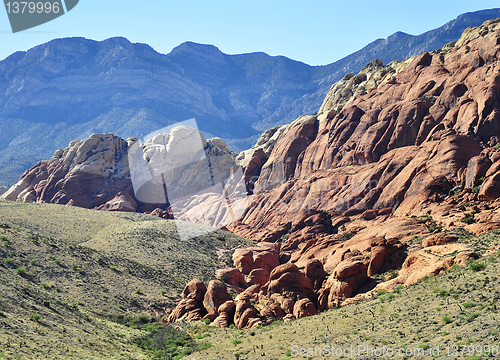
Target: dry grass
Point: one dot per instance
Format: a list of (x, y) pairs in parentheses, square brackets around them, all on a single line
[(81, 268)]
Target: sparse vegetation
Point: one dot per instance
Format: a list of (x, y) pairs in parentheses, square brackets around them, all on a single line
[(478, 266), (346, 236), (168, 343), (468, 219)]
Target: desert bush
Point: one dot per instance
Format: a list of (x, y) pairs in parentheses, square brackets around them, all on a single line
[(468, 304), (167, 343), (477, 266), (447, 319)]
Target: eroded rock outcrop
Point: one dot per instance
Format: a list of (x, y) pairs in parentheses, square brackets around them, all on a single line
[(96, 172), (190, 307)]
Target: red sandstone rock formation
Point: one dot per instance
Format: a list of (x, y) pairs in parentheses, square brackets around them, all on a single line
[(190, 308), (215, 296)]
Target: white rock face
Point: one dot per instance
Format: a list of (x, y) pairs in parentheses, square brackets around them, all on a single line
[(265, 142), (182, 161)]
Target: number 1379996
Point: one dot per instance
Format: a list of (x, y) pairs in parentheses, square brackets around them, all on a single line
[(31, 7)]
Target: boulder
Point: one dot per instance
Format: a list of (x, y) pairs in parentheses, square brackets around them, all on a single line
[(226, 315), (215, 296), (476, 168), (377, 259), (165, 214), (304, 308), (315, 272), (243, 260), (490, 189), (231, 276), (244, 312), (463, 257), (258, 276), (439, 239), (369, 214), (344, 281), (121, 202), (190, 308), (264, 256), (287, 280)]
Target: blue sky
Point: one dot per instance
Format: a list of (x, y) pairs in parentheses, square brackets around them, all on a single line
[(315, 32)]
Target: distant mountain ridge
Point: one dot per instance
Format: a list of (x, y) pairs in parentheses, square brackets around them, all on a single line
[(70, 88)]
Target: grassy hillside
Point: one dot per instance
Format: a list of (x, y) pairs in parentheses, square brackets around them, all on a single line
[(64, 272), (459, 308), (70, 279)]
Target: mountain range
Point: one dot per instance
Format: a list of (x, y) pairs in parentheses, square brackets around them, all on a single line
[(70, 88)]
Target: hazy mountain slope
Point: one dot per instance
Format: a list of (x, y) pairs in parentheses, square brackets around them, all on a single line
[(70, 88)]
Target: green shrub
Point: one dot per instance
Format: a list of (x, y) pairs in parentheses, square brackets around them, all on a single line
[(468, 219), (346, 236), (36, 317), (113, 268), (8, 261), (21, 271), (398, 289), (441, 292), (58, 262), (75, 266), (468, 304), (477, 266), (165, 342), (474, 315), (236, 342), (447, 319), (381, 292)]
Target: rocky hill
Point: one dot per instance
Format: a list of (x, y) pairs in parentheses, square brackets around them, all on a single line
[(68, 89), (373, 192)]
